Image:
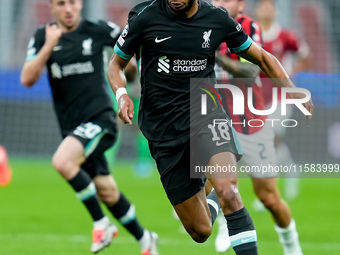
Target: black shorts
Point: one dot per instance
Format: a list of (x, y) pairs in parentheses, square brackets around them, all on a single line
[(97, 135), (211, 139), (177, 158)]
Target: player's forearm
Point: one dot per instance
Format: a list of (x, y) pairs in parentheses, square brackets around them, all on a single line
[(115, 74), (237, 68), (274, 70), (32, 69), (131, 70), (268, 64)]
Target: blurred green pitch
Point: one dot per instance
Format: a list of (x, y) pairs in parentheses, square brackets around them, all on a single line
[(40, 215)]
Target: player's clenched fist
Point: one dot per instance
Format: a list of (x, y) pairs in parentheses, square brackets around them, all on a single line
[(52, 34)]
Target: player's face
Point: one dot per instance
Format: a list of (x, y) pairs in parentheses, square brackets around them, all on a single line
[(234, 7), (181, 7), (67, 12), (266, 11)]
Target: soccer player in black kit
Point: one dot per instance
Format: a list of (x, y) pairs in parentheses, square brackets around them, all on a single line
[(177, 40), (72, 50)]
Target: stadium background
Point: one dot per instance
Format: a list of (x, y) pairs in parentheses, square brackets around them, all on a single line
[(38, 210)]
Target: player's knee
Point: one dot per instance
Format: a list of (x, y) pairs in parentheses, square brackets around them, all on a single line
[(57, 163), (108, 196), (200, 233), (228, 194), (61, 165), (269, 200)]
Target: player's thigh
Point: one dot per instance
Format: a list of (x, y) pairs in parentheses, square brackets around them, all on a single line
[(266, 189), (222, 165), (173, 164), (226, 184), (259, 153), (216, 150), (194, 214), (69, 150), (208, 187)]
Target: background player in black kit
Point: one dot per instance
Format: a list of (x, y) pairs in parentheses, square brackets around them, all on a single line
[(72, 50), (178, 39)]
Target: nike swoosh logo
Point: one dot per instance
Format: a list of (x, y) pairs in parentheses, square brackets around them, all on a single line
[(247, 240), (58, 47), (161, 40), (219, 144)]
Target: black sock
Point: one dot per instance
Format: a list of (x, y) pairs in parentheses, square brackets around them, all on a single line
[(126, 214), (86, 192), (242, 232), (213, 204)]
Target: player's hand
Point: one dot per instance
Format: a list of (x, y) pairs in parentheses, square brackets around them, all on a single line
[(308, 105), (52, 35), (125, 110)]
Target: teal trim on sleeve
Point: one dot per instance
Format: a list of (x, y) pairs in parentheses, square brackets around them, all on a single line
[(31, 57), (121, 53), (146, 7), (244, 46)]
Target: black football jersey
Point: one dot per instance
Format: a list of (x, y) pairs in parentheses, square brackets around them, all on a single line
[(75, 71), (174, 49)]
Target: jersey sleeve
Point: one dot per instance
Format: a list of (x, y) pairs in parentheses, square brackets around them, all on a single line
[(237, 40), (111, 32), (35, 44), (129, 42)]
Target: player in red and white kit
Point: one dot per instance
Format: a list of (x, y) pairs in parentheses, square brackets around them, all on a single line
[(256, 140), (294, 54)]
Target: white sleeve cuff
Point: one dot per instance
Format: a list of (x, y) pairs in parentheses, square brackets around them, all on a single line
[(120, 92)]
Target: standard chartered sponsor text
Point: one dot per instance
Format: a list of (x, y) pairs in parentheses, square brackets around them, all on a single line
[(194, 65), (71, 69), (78, 68)]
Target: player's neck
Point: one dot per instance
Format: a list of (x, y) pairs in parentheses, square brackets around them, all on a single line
[(238, 16), (65, 29), (266, 25)]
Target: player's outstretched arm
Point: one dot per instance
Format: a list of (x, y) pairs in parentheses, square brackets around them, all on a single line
[(131, 70), (32, 69), (237, 68), (273, 69), (267, 62), (117, 80)]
